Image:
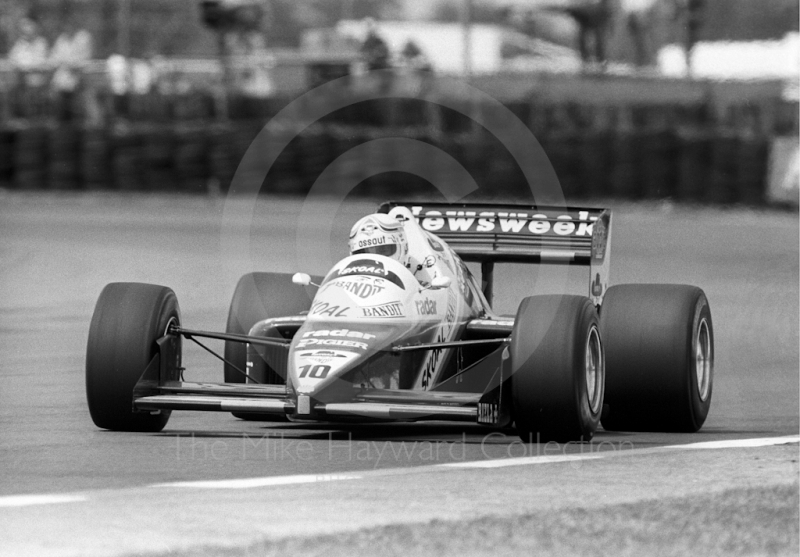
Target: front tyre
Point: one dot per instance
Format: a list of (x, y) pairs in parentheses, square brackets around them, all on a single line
[(127, 321), (558, 369), (659, 342), (259, 296)]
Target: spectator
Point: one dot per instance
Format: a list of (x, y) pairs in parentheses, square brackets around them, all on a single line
[(413, 58), (72, 49), (594, 18), (417, 66), (30, 50), (28, 55), (376, 57), (639, 19), (374, 49)]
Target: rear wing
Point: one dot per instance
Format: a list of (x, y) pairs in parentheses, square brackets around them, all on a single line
[(490, 233)]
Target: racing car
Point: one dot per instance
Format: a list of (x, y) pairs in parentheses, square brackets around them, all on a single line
[(401, 330)]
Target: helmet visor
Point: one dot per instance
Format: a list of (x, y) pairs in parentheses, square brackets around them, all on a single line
[(388, 250)]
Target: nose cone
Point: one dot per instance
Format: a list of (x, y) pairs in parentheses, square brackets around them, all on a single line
[(317, 368)]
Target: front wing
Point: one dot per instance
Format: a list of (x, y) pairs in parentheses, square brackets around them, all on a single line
[(478, 394)]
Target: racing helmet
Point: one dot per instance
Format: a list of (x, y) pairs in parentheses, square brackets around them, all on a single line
[(380, 234)]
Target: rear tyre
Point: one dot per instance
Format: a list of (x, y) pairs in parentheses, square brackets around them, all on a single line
[(659, 342), (558, 369), (127, 321), (259, 296)]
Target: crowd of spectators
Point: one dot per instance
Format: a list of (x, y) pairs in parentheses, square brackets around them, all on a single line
[(44, 74)]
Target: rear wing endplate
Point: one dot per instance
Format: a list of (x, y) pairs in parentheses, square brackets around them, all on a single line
[(490, 233)]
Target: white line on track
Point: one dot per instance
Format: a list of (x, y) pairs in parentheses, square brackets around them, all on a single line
[(503, 462), (245, 483), (249, 483), (28, 500), (739, 443)]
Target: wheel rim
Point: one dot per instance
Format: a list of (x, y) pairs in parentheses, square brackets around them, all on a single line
[(594, 370), (172, 321), (704, 360)]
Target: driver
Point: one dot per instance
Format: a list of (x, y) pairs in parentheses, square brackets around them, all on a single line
[(380, 234), (383, 234)]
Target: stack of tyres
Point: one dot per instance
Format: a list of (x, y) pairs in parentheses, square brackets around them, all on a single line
[(159, 144), (31, 157), (95, 159), (562, 148), (658, 164), (348, 172), (251, 170), (191, 159), (64, 157), (126, 158), (282, 146), (378, 156), (314, 155), (752, 173), (625, 175), (7, 139), (221, 162), (724, 169), (694, 164), (469, 152), (595, 158)]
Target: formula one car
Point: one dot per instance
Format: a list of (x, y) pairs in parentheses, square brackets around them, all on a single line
[(380, 340)]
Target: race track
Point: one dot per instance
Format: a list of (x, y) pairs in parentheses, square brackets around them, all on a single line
[(58, 251)]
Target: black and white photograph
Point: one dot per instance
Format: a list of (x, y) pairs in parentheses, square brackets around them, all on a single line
[(399, 277)]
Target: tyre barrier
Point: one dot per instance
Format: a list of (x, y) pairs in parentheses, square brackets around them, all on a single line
[(63, 170), (7, 138), (687, 165), (30, 158)]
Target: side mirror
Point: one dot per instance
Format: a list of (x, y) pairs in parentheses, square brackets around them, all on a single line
[(303, 279), (440, 282)]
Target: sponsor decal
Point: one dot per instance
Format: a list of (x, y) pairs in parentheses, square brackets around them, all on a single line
[(488, 412), (429, 261), (463, 275), (390, 309), (512, 222), (599, 241), (597, 286), (426, 307), (323, 356), (306, 342), (369, 242), (318, 371), (372, 268), (324, 308), (338, 333), (442, 336), (361, 288)]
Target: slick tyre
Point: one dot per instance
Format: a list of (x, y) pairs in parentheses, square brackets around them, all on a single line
[(259, 296), (558, 368), (659, 342), (127, 321)]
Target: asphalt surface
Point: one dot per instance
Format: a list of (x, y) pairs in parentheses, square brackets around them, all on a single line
[(58, 251)]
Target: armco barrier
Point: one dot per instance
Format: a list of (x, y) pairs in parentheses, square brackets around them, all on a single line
[(687, 165)]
